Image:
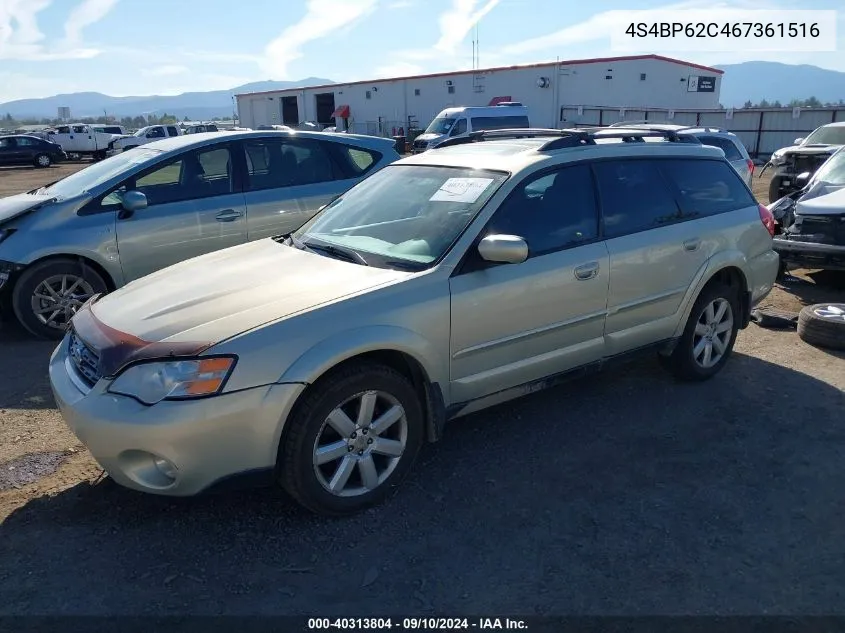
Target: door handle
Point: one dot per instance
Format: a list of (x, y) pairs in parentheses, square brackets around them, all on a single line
[(229, 215), (692, 244), (587, 271)]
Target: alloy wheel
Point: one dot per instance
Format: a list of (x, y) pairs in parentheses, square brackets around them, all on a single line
[(713, 332), (44, 160), (57, 298), (360, 444)]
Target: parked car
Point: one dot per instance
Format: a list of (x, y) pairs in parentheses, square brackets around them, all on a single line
[(728, 142), (805, 156), (81, 139), (145, 135), (111, 129), (283, 128), (811, 221), (29, 150), (464, 120), (139, 211), (442, 284)]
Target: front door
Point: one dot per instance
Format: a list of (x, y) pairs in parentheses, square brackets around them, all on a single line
[(516, 323), (10, 153), (655, 251), (194, 207), (288, 180)]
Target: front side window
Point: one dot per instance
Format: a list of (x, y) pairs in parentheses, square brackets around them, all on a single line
[(156, 132), (78, 129), (634, 197), (406, 213), (554, 211), (199, 174), (286, 163), (459, 128)]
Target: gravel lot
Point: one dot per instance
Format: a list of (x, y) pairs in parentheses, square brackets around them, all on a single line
[(623, 494)]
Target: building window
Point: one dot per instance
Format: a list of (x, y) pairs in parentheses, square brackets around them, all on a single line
[(608, 76), (416, 92), (642, 76), (368, 94), (451, 90)]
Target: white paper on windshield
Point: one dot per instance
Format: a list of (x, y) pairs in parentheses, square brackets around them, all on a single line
[(461, 190)]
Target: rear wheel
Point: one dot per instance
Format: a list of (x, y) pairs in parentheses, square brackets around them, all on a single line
[(709, 335), (351, 440), (42, 160), (48, 294)]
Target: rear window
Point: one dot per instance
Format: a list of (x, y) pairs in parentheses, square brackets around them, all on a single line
[(707, 187), (725, 144)]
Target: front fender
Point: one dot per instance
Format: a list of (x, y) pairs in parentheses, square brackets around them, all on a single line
[(335, 349), (724, 259)]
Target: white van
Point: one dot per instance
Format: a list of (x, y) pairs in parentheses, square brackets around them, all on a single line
[(453, 122)]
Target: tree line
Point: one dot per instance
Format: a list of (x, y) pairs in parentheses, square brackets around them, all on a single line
[(812, 102), (8, 121)]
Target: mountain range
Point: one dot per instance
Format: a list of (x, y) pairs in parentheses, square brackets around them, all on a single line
[(748, 81), (194, 105)]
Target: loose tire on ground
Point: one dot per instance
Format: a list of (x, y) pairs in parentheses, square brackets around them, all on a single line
[(30, 309), (301, 469), (823, 325), (684, 362)]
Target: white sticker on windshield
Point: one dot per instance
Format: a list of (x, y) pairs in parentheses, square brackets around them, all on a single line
[(461, 190)]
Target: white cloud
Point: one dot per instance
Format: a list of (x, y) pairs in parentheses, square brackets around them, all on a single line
[(322, 18), (85, 14), (458, 21), (164, 71), (400, 4), (21, 38)]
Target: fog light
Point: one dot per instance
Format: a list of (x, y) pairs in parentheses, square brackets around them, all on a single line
[(166, 468)]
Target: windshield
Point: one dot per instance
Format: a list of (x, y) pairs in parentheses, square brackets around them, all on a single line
[(409, 213), (440, 126), (833, 170), (98, 173), (826, 136)]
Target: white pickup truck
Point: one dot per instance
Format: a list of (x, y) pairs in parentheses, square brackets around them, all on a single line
[(146, 135), (81, 139)]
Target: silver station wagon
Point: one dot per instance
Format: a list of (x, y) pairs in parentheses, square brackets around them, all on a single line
[(442, 284), (164, 202)]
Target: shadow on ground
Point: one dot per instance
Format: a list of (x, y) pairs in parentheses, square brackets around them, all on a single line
[(623, 494), (23, 373)]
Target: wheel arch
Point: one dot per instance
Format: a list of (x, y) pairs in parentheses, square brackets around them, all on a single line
[(82, 260), (727, 269)]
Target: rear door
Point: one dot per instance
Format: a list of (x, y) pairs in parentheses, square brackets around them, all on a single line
[(289, 179), (195, 206)]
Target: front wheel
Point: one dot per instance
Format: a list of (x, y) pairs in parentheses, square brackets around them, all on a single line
[(351, 440), (709, 335), (48, 294), (774, 189), (43, 160)]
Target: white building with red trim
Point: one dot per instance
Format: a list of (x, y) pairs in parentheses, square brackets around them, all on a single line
[(381, 106)]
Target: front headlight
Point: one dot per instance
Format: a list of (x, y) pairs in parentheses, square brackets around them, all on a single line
[(152, 382), (778, 158)]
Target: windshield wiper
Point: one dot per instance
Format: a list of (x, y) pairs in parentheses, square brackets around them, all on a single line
[(334, 251), (403, 265)]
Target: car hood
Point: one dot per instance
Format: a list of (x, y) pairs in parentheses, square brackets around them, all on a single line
[(13, 206), (810, 150), (219, 295), (832, 203), (429, 136)]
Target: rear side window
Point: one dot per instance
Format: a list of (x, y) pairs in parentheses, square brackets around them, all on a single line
[(725, 144), (274, 163), (498, 122), (634, 197), (707, 187), (172, 131)]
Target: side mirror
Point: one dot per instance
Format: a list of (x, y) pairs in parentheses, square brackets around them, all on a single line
[(798, 141), (503, 249), (803, 178), (133, 201)]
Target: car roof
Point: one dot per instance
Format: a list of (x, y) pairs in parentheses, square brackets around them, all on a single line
[(837, 124), (205, 138), (523, 154)]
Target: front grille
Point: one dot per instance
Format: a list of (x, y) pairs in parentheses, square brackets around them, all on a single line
[(810, 163), (85, 360), (420, 144), (823, 229)]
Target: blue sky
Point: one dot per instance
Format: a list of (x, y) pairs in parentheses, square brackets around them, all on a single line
[(140, 47)]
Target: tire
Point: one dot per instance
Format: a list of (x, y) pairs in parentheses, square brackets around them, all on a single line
[(52, 324), (684, 363), (42, 160), (774, 189), (100, 155), (823, 325), (355, 447)]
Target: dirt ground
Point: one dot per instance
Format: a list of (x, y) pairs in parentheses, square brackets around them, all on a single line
[(625, 494)]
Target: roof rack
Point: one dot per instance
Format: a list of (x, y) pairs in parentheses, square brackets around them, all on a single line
[(571, 137), (648, 125)]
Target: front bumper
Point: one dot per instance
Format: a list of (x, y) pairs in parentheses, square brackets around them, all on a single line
[(810, 254), (207, 440)]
